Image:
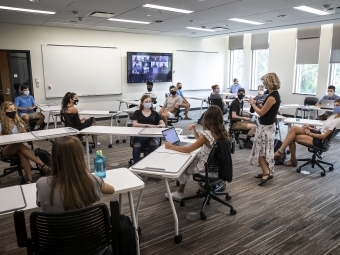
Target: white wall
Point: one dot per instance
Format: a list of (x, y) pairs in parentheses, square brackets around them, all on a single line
[(22, 37)]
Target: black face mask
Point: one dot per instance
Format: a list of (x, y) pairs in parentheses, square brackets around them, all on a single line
[(10, 114), (173, 92), (149, 89), (179, 88), (241, 96), (75, 102)]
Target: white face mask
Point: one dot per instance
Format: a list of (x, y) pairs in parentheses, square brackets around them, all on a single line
[(261, 92), (26, 93)]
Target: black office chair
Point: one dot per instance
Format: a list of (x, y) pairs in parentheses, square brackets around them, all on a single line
[(309, 101), (236, 134), (211, 187), (83, 231), (218, 102), (73, 120), (318, 154)]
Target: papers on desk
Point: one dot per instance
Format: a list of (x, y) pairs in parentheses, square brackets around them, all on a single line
[(165, 163), (12, 198), (55, 132)]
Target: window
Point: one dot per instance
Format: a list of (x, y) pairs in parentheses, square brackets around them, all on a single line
[(236, 65), (259, 67), (306, 78), (334, 77)]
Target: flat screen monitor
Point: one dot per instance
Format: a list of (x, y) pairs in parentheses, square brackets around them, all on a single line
[(147, 66)]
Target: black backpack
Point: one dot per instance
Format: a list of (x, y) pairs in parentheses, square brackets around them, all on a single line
[(126, 237), (44, 156), (224, 160), (277, 145)]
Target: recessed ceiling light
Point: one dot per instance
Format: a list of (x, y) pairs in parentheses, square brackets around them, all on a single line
[(311, 10), (130, 21), (34, 1), (149, 15), (24, 10), (201, 29), (159, 7), (246, 21)]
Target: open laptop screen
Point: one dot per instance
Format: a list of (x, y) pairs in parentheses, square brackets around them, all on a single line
[(170, 135), (327, 104)]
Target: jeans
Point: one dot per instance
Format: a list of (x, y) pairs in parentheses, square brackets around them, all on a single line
[(149, 143)]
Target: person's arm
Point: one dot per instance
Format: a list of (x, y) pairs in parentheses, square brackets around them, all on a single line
[(16, 103), (107, 188), (317, 136), (193, 128), (265, 108), (187, 149)]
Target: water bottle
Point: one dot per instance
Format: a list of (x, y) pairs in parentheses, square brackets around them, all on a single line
[(100, 164)]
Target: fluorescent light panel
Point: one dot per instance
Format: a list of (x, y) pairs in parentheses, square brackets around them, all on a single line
[(311, 10), (130, 21), (202, 29), (246, 21), (24, 10), (159, 7)]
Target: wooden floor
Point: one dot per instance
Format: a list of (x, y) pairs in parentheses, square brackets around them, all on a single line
[(292, 214)]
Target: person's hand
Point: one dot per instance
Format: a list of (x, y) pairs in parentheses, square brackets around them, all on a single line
[(168, 145), (192, 127), (251, 101), (246, 119)]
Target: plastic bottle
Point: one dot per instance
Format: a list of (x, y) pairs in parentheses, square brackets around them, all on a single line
[(100, 164)]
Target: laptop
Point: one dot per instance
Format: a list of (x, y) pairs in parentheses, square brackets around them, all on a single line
[(327, 104), (171, 136)]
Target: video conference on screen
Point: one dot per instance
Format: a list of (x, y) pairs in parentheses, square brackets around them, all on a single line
[(144, 67)]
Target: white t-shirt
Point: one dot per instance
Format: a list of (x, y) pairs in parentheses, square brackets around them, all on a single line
[(151, 94), (330, 124)]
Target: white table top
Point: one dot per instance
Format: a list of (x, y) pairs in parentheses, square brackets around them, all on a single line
[(304, 121), (129, 101), (47, 104), (197, 98), (49, 108), (16, 138), (56, 132), (288, 106), (131, 110), (11, 199), (92, 112)]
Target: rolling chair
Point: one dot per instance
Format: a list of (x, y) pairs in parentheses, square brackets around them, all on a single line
[(309, 101), (211, 187), (73, 120), (317, 154), (71, 232)]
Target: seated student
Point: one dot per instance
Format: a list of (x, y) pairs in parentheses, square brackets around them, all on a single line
[(240, 119), (10, 123), (330, 96), (146, 116), (235, 87), (68, 106), (215, 94), (71, 186), (26, 105), (171, 104), (185, 104), (213, 130), (150, 92), (308, 135)]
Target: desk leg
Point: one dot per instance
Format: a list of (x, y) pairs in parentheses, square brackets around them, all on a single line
[(178, 236), (110, 145), (138, 204), (134, 221), (48, 120), (55, 120), (88, 152), (120, 203)]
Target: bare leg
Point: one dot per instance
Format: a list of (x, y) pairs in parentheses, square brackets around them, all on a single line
[(25, 118), (264, 165), (181, 188), (14, 149), (292, 148), (252, 129), (41, 119), (293, 132), (26, 166)]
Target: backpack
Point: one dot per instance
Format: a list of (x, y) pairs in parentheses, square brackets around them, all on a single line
[(224, 160), (277, 145), (126, 237), (44, 156)]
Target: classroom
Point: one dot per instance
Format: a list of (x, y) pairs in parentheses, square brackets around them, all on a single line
[(75, 47)]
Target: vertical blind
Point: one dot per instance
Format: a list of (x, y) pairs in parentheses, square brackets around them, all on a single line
[(259, 41), (308, 43), (236, 42)]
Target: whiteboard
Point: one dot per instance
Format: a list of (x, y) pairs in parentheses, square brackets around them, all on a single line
[(85, 70), (198, 70)]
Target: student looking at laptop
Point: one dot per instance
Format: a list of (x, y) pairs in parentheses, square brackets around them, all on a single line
[(213, 130), (146, 116), (171, 105), (330, 96)]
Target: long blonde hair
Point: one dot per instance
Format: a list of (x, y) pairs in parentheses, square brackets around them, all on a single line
[(4, 120), (70, 174)]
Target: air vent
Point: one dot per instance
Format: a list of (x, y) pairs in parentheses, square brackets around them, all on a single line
[(102, 15)]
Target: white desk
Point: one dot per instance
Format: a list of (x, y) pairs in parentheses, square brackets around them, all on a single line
[(166, 175), (127, 101), (292, 121), (203, 99), (50, 108), (303, 107), (16, 138)]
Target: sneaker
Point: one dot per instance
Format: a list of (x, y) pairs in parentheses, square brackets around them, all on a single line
[(175, 196)]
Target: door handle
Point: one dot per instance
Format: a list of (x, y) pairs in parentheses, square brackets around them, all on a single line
[(8, 92)]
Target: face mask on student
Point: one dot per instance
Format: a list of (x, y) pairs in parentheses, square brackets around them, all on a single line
[(149, 89), (10, 114), (261, 92), (75, 102), (330, 94), (336, 109), (173, 92), (147, 105), (179, 88), (217, 91), (26, 93), (240, 96)]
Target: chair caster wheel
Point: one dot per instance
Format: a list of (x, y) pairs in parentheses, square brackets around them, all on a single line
[(182, 203), (117, 141), (298, 170), (139, 230), (178, 239), (93, 146), (124, 140), (202, 216), (227, 197), (232, 212), (110, 146), (331, 168), (322, 174)]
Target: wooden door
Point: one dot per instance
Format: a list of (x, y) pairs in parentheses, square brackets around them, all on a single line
[(5, 83)]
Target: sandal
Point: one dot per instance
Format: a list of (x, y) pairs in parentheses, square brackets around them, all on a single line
[(188, 118), (28, 181), (281, 154), (259, 176), (45, 169), (291, 162), (264, 180)]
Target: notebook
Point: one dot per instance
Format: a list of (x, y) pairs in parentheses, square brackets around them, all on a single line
[(327, 104), (171, 136)]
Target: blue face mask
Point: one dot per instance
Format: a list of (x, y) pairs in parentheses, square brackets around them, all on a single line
[(147, 105), (217, 91), (336, 109)]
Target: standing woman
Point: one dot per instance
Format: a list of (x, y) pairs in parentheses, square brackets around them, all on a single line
[(263, 148)]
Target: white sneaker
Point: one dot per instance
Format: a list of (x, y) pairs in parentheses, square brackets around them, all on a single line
[(175, 196)]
